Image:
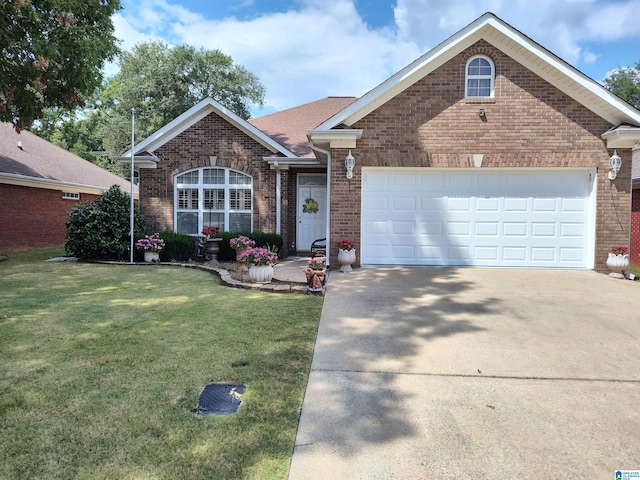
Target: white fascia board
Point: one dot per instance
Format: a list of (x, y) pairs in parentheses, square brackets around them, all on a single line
[(483, 28), (622, 138), (48, 184), (341, 138), (141, 162), (283, 163), (193, 116)]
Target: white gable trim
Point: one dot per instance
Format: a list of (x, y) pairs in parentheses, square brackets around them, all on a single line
[(513, 43), (193, 116)]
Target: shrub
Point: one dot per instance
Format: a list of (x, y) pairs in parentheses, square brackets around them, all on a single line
[(265, 240), (100, 229), (177, 246)]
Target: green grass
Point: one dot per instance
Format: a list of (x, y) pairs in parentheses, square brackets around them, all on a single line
[(100, 366), (635, 270)]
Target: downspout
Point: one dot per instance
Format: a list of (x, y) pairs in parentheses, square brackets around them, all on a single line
[(278, 195), (328, 230)]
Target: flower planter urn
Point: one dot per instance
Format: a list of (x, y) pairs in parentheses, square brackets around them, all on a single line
[(212, 247), (346, 258), (261, 273), (618, 264), (151, 257)]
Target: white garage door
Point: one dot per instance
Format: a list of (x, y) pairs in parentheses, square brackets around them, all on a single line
[(488, 217)]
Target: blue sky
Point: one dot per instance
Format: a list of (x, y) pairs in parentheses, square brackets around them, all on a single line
[(303, 50)]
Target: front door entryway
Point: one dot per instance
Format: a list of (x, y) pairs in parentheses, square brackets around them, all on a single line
[(311, 216)]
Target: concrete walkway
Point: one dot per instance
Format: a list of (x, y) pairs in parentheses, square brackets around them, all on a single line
[(423, 373)]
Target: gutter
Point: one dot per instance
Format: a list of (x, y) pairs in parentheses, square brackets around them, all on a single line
[(328, 228)]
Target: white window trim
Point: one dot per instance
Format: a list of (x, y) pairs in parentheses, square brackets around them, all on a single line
[(201, 187), (70, 195), (468, 77)]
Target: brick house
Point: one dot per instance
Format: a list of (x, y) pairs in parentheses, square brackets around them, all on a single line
[(39, 184), (634, 248), (486, 151)]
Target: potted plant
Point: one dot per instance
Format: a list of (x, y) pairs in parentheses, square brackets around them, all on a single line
[(315, 271), (618, 261), (212, 243), (261, 261), (151, 244), (346, 255), (241, 244)]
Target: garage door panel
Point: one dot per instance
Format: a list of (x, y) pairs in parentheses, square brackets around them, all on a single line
[(519, 217)]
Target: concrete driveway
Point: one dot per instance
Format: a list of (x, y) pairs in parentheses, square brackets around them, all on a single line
[(429, 373)]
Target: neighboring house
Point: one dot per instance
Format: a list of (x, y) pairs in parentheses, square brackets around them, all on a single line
[(39, 184), (634, 250), (486, 151)]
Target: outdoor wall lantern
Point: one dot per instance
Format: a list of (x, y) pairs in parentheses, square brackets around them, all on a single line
[(615, 162), (349, 163)]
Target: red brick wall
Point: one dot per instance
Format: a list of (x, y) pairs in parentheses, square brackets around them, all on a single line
[(529, 123), (634, 251), (211, 136), (33, 217)]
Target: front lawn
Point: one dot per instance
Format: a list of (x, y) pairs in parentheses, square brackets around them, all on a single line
[(101, 365)]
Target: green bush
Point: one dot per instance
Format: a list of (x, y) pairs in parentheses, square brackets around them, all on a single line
[(100, 229), (228, 254), (177, 246)]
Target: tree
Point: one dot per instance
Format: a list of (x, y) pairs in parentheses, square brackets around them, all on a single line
[(101, 229), (161, 83), (52, 54), (625, 82)]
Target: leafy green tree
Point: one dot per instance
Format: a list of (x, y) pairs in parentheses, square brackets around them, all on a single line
[(101, 229), (625, 82), (162, 82), (52, 54)]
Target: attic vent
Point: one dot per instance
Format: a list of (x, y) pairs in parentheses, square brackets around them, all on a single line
[(71, 195)]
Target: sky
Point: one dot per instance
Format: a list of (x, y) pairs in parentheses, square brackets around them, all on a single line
[(305, 50)]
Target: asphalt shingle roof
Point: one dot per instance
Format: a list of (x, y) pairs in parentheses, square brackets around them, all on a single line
[(40, 159), (288, 127)]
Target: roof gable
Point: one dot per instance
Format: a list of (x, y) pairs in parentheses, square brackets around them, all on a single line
[(27, 159), (193, 116), (514, 44)]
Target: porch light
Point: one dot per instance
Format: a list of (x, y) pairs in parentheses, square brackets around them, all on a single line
[(349, 163), (615, 162)]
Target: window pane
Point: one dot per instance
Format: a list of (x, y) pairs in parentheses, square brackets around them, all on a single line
[(214, 199), (213, 176), (239, 199), (187, 223), (188, 198), (305, 180), (237, 178), (191, 177), (212, 219), (240, 222)]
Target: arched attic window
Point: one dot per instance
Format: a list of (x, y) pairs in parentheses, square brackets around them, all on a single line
[(213, 197), (480, 76)]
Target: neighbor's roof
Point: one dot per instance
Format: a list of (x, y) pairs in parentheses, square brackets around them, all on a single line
[(42, 164), (288, 127), (512, 42)]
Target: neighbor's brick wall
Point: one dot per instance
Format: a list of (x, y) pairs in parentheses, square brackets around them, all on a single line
[(529, 123), (34, 217), (211, 136), (634, 251)]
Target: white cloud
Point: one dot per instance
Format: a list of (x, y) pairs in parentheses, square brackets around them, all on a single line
[(318, 48)]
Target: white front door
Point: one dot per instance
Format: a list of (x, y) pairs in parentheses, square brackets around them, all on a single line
[(311, 210)]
